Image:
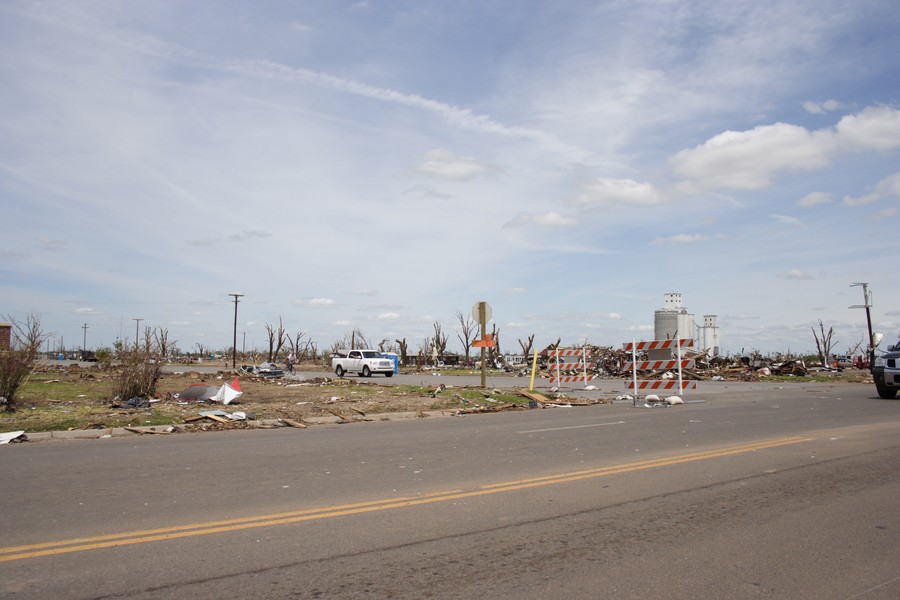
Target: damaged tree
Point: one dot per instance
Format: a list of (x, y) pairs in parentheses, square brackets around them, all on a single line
[(824, 345), (404, 357), (17, 364), (276, 339), (468, 329)]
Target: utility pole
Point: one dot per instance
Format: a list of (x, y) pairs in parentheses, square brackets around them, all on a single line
[(137, 326), (84, 342), (234, 344), (867, 296)]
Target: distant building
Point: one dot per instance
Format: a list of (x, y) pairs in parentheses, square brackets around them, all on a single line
[(673, 319), (709, 336)]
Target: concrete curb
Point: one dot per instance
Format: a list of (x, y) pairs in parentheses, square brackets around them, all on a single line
[(95, 434)]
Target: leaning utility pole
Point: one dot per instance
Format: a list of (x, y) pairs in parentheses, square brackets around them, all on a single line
[(234, 344), (867, 296)]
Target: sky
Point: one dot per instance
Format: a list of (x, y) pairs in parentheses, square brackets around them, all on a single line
[(385, 165)]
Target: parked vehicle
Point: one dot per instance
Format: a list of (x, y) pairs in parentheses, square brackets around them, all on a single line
[(886, 372), (362, 362)]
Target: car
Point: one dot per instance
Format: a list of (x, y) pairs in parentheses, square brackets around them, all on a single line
[(886, 372), (363, 362)]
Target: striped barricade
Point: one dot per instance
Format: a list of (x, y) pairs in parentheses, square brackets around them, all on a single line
[(657, 344), (568, 361), (678, 385), (667, 384), (659, 365)]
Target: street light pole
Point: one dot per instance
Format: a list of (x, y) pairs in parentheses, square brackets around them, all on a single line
[(234, 344)]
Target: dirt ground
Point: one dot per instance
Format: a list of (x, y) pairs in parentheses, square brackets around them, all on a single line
[(60, 397)]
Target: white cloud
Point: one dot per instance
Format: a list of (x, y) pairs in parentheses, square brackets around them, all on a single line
[(363, 292), (875, 128), (550, 219), (518, 290), (788, 220), (815, 199), (614, 192), (681, 238), (388, 316), (889, 187), (613, 315), (443, 164), (820, 109), (321, 303), (795, 274), (749, 160)]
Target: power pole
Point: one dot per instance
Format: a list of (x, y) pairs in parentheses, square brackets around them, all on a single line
[(234, 344), (84, 342), (867, 296), (137, 326)]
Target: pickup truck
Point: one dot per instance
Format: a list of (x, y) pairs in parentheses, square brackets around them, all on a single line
[(886, 372), (362, 362)]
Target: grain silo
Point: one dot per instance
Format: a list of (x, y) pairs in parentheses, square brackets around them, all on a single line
[(709, 334), (671, 320)]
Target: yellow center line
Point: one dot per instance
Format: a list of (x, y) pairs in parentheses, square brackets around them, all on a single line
[(325, 512)]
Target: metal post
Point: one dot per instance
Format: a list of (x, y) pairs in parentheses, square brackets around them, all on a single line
[(234, 343), (84, 342), (634, 370), (867, 305), (137, 326), (482, 317)]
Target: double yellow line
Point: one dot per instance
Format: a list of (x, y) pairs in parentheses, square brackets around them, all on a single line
[(326, 512)]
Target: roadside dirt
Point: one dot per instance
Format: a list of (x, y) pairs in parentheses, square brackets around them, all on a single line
[(75, 397)]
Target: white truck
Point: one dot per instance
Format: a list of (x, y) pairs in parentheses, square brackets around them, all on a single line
[(362, 362)]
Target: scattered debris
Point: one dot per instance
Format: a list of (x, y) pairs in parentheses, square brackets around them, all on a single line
[(12, 437)]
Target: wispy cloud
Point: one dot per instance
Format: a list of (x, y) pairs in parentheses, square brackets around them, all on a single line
[(795, 274), (443, 164), (788, 220), (549, 219), (889, 187), (607, 192), (815, 199), (680, 238)]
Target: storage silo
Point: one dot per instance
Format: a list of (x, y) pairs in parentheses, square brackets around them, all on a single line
[(710, 336), (671, 320)]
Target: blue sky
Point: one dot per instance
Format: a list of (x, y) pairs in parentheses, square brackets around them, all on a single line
[(383, 165)]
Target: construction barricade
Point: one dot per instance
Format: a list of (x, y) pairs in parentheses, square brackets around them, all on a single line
[(570, 365), (677, 386)]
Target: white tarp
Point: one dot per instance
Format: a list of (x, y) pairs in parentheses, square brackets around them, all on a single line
[(229, 393)]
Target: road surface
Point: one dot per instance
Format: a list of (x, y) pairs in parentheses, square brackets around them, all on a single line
[(774, 491)]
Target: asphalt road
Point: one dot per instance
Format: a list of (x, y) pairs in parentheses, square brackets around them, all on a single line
[(774, 491)]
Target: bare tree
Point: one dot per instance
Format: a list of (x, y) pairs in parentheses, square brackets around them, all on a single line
[(823, 345), (468, 329), (161, 342), (276, 339), (357, 340), (17, 363), (294, 343), (404, 357), (494, 352), (526, 347), (439, 340)]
